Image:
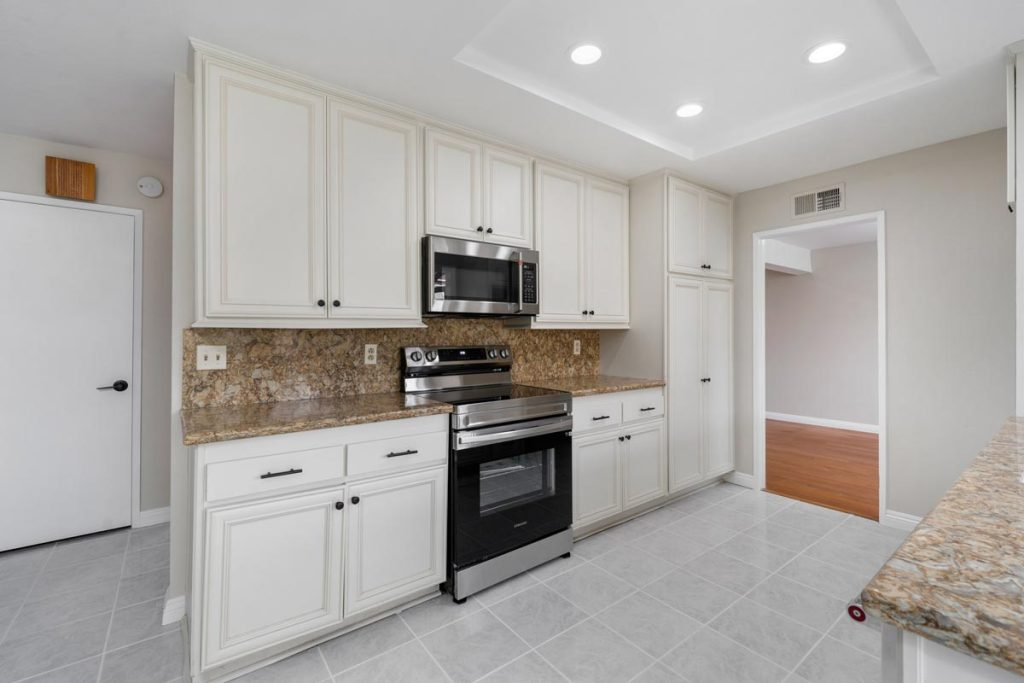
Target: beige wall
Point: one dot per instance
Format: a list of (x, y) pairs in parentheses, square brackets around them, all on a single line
[(821, 337), (21, 170), (950, 301)]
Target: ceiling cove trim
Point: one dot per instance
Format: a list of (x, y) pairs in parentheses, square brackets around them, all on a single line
[(286, 76)]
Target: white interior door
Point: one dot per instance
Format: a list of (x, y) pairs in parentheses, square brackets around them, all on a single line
[(685, 390), (67, 280)]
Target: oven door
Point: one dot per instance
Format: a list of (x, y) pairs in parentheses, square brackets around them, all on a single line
[(462, 276), (507, 490)]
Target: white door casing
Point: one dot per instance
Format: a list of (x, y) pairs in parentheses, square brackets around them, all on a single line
[(71, 452)]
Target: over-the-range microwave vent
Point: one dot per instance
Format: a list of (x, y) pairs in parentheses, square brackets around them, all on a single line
[(824, 200)]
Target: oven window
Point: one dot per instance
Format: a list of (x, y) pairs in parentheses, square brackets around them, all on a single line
[(517, 480), (472, 278)]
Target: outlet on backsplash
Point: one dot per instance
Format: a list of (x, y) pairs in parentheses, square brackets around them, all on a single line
[(370, 354), (576, 347)]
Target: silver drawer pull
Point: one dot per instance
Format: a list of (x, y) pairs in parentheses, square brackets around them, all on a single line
[(601, 417), (395, 455), (644, 410), (271, 475)]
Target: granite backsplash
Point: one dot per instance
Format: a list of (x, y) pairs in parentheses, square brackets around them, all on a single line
[(285, 365)]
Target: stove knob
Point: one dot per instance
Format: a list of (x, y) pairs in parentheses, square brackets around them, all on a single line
[(431, 356), (492, 354), (416, 356), (504, 353)]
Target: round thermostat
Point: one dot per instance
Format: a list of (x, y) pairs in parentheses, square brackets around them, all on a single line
[(150, 186)]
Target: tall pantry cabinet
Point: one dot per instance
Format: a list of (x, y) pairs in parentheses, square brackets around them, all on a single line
[(682, 320)]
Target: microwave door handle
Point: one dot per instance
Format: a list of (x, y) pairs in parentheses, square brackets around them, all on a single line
[(520, 260)]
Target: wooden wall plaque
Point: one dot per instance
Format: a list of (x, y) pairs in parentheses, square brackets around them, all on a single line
[(70, 179)]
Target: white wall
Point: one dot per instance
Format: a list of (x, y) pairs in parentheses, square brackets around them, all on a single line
[(821, 337), (22, 170), (950, 301)]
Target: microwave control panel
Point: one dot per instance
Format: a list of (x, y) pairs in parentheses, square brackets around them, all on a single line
[(529, 283)]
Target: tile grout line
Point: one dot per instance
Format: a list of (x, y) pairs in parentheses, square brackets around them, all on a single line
[(24, 601), (113, 610), (426, 649)]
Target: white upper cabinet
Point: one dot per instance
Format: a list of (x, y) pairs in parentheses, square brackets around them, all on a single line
[(477, 192), (264, 210), (453, 186), (582, 226), (684, 227), (607, 220), (718, 235), (372, 198), (508, 197), (699, 225), (559, 198)]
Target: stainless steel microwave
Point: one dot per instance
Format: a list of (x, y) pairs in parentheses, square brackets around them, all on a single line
[(463, 277)]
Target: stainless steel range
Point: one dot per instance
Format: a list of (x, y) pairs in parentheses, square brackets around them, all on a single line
[(510, 466)]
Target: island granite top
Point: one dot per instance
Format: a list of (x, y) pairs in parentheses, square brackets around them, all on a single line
[(958, 579), (208, 425)]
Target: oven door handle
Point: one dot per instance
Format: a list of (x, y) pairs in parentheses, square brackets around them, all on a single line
[(492, 435)]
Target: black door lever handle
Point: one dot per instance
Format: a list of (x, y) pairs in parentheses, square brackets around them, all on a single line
[(119, 385)]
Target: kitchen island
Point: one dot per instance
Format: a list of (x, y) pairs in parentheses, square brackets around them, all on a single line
[(952, 596)]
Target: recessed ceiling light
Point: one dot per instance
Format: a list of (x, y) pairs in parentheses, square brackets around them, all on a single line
[(688, 110), (585, 54), (826, 52)]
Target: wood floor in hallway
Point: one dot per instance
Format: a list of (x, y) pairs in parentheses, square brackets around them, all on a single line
[(836, 468)]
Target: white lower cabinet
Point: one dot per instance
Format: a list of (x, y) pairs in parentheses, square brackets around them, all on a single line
[(274, 573), (339, 538), (619, 464), (396, 544)]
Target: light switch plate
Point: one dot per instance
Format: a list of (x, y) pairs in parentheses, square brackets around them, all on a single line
[(370, 354), (211, 357), (576, 347)]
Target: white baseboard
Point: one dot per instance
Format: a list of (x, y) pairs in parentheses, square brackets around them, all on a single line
[(154, 516), (174, 609), (740, 479), (900, 520), (823, 422)]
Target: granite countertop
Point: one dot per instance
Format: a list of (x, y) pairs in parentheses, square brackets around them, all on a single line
[(207, 425), (958, 579), (589, 385)]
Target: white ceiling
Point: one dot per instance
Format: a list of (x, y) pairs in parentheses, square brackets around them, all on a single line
[(99, 72)]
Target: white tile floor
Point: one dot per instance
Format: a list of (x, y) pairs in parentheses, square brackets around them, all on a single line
[(724, 585)]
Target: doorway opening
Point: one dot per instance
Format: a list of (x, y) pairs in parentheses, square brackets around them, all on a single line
[(819, 418)]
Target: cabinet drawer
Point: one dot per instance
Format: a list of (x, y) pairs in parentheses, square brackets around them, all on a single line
[(401, 453), (285, 470), (641, 405), (596, 413)]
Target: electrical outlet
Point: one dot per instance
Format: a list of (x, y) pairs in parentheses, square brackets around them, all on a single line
[(370, 354), (211, 357), (576, 348)]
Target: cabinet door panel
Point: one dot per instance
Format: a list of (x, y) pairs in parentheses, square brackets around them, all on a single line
[(607, 237), (596, 482), (644, 464), (396, 538), (274, 572), (265, 221), (559, 198), (373, 215), (508, 198), (452, 186), (685, 390), (685, 251), (718, 235), (718, 352)]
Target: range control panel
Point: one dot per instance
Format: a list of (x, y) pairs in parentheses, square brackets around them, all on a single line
[(437, 356)]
